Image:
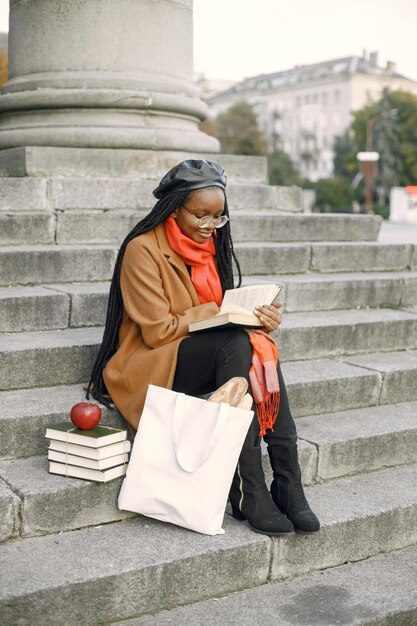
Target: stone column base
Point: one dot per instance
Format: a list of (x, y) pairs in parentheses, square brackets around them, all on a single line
[(102, 74), (106, 118), (49, 162)]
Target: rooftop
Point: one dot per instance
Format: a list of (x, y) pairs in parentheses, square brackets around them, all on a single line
[(305, 73)]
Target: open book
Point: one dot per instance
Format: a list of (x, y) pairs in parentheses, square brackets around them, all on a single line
[(237, 307)]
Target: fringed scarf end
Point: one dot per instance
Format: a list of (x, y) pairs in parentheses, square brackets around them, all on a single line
[(267, 412)]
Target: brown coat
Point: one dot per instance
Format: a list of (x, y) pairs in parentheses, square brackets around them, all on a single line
[(159, 302)]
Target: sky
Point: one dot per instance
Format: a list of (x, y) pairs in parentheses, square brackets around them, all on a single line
[(238, 38), (234, 39)]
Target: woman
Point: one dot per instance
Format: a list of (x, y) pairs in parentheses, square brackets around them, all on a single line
[(172, 269)]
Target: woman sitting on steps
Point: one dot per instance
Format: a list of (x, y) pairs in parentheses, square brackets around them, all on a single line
[(173, 269)]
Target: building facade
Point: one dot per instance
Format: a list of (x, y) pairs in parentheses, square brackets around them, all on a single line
[(301, 110)]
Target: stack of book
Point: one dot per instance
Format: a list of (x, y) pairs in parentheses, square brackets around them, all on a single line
[(99, 454)]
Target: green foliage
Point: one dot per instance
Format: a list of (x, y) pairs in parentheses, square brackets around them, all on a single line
[(238, 131), (381, 209), (334, 194), (406, 104), (391, 125), (394, 136), (376, 127), (281, 170), (344, 163)]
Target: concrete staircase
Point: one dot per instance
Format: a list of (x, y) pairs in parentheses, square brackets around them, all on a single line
[(348, 345)]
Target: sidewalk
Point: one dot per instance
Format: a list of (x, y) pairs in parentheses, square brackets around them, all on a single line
[(395, 232)]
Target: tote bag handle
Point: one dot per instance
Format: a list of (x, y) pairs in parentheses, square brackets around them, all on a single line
[(186, 463)]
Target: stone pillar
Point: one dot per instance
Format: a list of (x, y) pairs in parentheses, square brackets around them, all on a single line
[(102, 74)]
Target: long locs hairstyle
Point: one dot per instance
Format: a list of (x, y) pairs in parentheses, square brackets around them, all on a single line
[(225, 256)]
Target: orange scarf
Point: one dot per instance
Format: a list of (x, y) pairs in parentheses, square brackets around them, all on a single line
[(263, 375), (263, 378), (200, 256)]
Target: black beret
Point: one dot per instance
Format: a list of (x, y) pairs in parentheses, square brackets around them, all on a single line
[(192, 174)]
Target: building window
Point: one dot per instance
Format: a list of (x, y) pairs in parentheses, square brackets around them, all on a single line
[(336, 96), (324, 97)]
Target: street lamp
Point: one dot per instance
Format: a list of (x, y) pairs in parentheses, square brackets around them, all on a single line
[(370, 125), (368, 161)]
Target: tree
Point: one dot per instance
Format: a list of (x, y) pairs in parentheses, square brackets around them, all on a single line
[(238, 131), (281, 170), (394, 136), (406, 105), (393, 121), (333, 193), (344, 161), (209, 127), (377, 128), (3, 68)]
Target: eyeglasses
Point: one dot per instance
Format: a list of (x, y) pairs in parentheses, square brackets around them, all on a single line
[(205, 222)]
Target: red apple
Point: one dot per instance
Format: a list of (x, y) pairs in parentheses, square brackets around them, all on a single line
[(85, 415)]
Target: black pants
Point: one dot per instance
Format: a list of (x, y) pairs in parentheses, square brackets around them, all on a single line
[(208, 360)]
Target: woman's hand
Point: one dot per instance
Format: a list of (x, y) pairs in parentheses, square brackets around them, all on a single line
[(269, 315)]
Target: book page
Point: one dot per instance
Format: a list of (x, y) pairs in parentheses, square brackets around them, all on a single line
[(247, 298), (232, 308)]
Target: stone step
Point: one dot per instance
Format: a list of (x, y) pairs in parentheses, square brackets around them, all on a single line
[(29, 480), (25, 194), (20, 228), (398, 372), (314, 387), (321, 334), (330, 446), (344, 442), (26, 413), (45, 264), (82, 263), (103, 226), (53, 307), (33, 308), (109, 227), (327, 385), (361, 440), (112, 227), (361, 516), (324, 292), (357, 594), (297, 258), (34, 161), (77, 305), (269, 226), (55, 357), (49, 503)]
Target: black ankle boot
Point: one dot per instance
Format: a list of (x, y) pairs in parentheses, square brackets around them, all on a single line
[(251, 500), (287, 490)]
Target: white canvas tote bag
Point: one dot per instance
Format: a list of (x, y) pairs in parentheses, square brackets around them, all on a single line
[(183, 460)]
